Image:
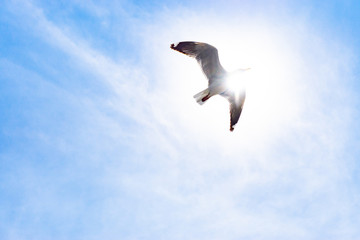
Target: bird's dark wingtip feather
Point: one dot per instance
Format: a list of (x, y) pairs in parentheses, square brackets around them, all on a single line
[(176, 47)]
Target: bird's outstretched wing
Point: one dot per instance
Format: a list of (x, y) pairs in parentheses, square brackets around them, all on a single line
[(236, 106), (206, 55), (235, 112)]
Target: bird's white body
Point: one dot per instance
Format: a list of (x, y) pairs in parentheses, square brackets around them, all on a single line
[(213, 89)]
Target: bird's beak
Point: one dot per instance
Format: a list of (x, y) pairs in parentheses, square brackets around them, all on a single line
[(243, 69)]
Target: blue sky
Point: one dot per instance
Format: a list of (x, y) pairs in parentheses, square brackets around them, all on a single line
[(100, 137)]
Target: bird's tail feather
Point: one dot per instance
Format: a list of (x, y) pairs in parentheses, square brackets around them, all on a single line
[(202, 96)]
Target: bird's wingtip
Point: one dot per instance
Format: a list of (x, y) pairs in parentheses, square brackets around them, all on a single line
[(173, 46)]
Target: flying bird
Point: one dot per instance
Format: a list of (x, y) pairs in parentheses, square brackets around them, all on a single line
[(218, 78)]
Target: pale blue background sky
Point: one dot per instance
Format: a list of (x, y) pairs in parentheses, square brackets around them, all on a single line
[(100, 137)]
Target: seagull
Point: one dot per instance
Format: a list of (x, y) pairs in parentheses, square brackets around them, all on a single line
[(218, 78)]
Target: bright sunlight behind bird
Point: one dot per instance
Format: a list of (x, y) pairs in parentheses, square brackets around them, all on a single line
[(227, 84)]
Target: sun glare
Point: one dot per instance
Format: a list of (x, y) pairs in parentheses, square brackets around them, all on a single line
[(271, 100), (268, 85), (237, 81)]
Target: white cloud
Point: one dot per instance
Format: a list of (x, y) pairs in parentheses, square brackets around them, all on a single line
[(280, 175), (286, 156)]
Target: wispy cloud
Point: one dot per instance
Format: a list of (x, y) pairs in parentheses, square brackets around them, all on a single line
[(179, 173)]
